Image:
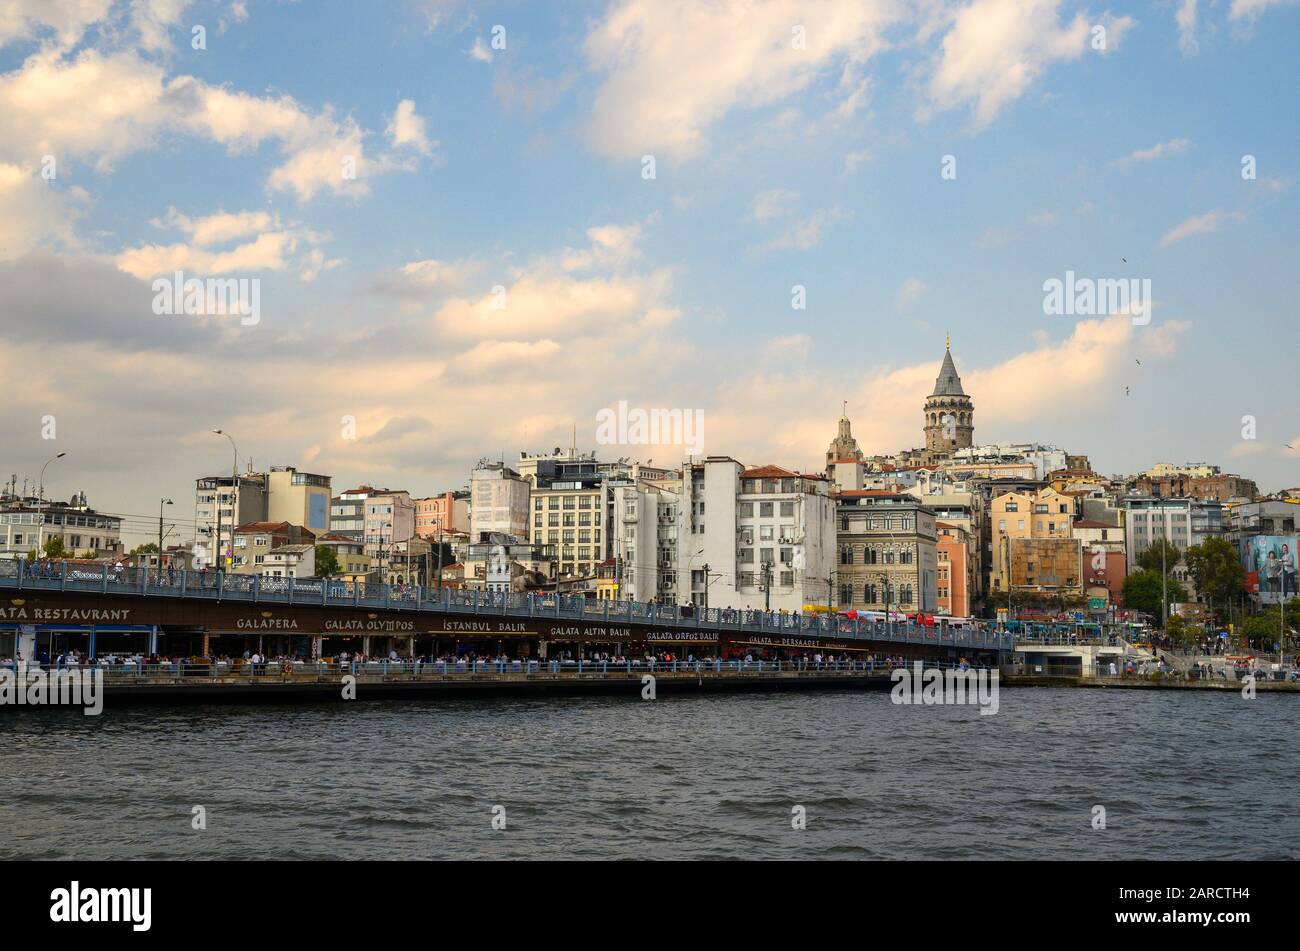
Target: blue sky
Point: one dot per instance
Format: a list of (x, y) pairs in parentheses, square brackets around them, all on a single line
[(522, 167)]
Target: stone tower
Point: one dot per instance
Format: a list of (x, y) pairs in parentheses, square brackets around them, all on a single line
[(949, 412), (844, 447)]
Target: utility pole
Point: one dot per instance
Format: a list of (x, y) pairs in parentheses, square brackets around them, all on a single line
[(1164, 586), (706, 587), (161, 503), (767, 586), (1281, 619)]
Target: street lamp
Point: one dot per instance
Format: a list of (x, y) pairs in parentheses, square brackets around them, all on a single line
[(234, 498), (40, 503)]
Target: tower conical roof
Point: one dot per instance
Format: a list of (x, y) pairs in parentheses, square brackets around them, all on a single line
[(948, 382)]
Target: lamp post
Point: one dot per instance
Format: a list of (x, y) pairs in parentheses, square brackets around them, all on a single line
[(161, 503), (40, 503), (234, 498)]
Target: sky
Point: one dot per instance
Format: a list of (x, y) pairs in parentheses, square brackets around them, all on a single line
[(468, 228)]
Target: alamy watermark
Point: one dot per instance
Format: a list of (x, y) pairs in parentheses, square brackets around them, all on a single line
[(212, 297), (1098, 297), (957, 687), (621, 426), (33, 687)]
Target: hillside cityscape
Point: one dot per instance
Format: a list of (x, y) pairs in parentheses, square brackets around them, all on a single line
[(952, 529)]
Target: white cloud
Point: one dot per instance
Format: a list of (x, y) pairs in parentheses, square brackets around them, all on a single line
[(1185, 17), (776, 203), (673, 68), (154, 20), (102, 107), (33, 214), (805, 233), (217, 228), (1172, 147), (272, 248), (1250, 9), (996, 49), (67, 20), (913, 289), (406, 128), (855, 160), (1198, 224), (479, 51)]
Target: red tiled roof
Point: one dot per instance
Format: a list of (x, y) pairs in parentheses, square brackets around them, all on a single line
[(1092, 523), (263, 527), (768, 472)]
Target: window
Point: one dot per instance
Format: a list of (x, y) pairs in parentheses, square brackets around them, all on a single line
[(765, 556), (787, 509), (746, 556), (787, 579), (846, 555), (787, 556), (765, 509), (765, 533), (1012, 507), (846, 594), (746, 509)]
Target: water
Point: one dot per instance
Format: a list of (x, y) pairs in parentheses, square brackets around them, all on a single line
[(1181, 775)]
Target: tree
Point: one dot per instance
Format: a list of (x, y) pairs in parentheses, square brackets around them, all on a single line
[(1142, 592), (1149, 560), (1216, 570), (327, 561), (53, 547), (148, 548), (1180, 632)]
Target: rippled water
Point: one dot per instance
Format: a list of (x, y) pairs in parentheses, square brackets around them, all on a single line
[(1181, 775)]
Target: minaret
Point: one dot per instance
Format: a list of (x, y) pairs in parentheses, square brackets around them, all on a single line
[(949, 412)]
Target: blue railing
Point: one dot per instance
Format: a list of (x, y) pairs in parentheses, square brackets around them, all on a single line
[(220, 586)]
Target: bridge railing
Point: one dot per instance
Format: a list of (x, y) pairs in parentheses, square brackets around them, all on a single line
[(218, 586), (135, 671)]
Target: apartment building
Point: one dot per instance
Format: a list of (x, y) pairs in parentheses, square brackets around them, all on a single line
[(887, 552), (954, 572), (290, 561), (390, 522), (299, 498), (254, 542), (27, 523), (645, 539), (439, 515), (222, 504), (1043, 513), (498, 502)]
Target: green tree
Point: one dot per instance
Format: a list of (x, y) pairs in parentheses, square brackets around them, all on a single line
[(148, 548), (53, 547), (1262, 629), (1216, 570), (327, 561), (1142, 592), (1149, 560)]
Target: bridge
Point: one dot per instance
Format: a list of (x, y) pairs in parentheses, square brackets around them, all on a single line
[(100, 610)]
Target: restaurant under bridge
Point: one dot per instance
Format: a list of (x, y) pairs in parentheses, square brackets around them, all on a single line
[(49, 609)]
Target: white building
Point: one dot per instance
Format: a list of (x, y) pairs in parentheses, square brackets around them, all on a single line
[(290, 561), (1044, 459), (754, 538), (498, 502), (645, 540)]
